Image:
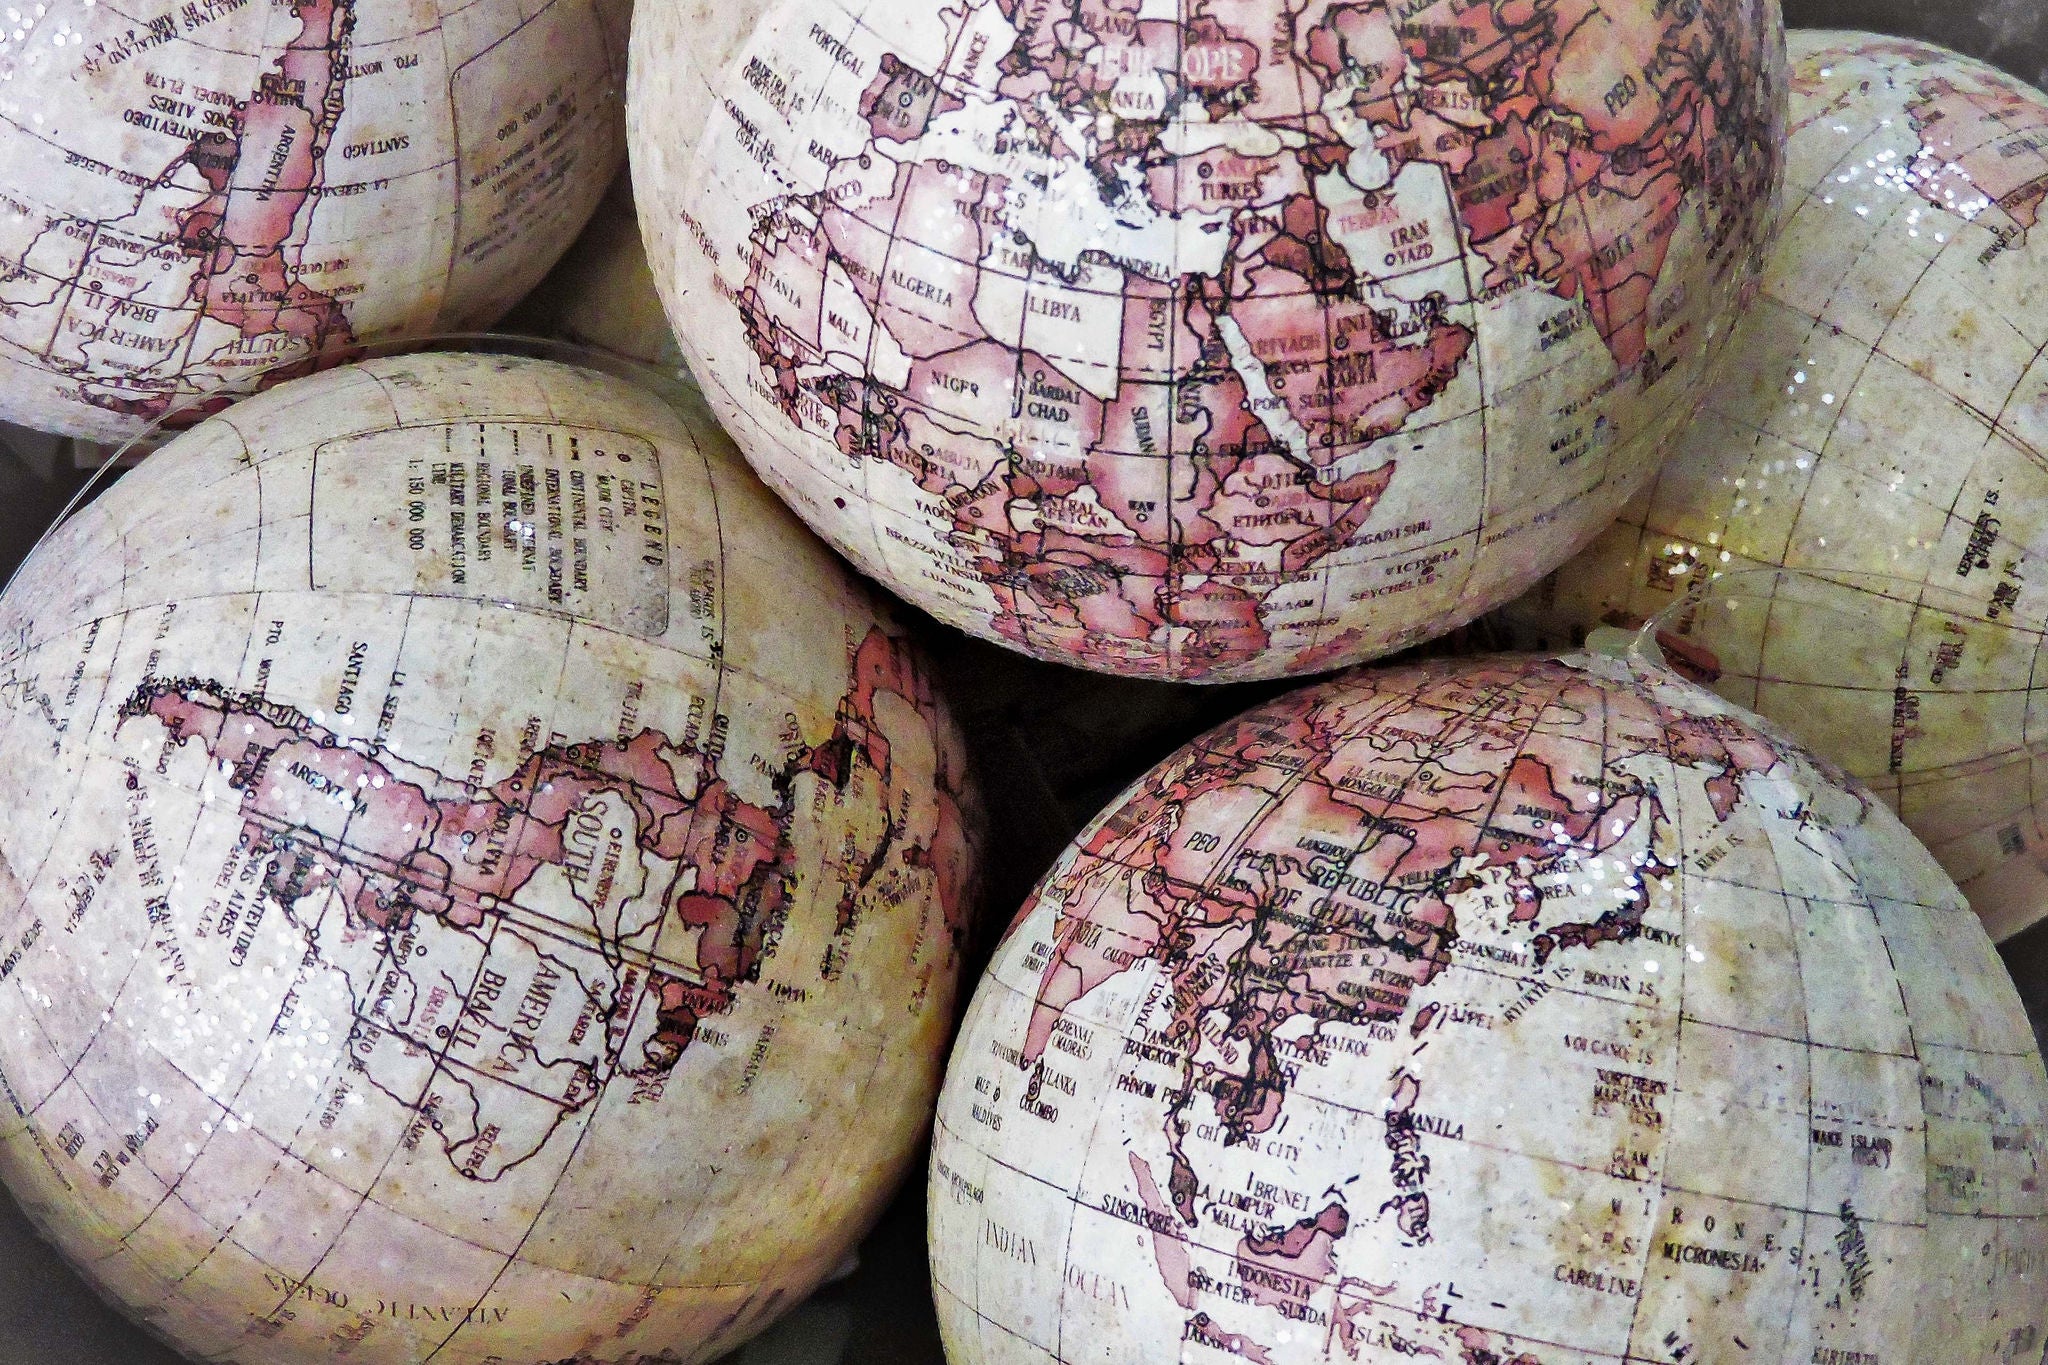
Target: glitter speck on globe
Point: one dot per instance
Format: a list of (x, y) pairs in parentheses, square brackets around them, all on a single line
[(1885, 433), (1209, 341), (460, 839)]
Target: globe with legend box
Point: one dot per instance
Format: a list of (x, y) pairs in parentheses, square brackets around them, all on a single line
[(444, 891)]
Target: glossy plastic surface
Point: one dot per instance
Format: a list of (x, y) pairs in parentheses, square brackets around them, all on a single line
[(1056, 745)]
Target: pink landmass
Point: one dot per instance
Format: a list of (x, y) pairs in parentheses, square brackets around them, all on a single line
[(398, 841)]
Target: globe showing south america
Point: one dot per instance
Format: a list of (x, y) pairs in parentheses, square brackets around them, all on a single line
[(461, 841), (195, 196)]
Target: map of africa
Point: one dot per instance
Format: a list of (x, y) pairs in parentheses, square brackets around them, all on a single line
[(1206, 340), (457, 857), (1891, 419), (1517, 1012), (195, 194)]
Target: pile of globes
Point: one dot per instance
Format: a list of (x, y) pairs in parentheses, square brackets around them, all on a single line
[(488, 876)]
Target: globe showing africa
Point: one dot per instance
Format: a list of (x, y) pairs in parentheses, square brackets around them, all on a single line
[(193, 195), (1525, 1011), (1889, 417), (462, 844), (1209, 341)]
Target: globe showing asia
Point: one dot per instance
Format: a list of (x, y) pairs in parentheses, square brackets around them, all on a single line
[(193, 195), (1205, 341), (1525, 1011), (445, 894), (1889, 418)]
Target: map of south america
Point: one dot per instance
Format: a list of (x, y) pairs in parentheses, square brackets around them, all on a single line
[(200, 197), (437, 898), (1983, 138), (215, 241)]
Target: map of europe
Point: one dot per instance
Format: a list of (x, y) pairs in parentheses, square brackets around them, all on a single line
[(1225, 338), (196, 196), (1429, 1013)]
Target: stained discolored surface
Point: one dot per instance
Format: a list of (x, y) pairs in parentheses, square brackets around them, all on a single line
[(1052, 746), (828, 858)]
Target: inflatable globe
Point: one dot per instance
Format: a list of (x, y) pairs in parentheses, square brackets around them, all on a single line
[(446, 896), (1507, 1012), (196, 196), (1203, 342), (1887, 428)]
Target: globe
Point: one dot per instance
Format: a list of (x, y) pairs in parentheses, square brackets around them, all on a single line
[(1511, 1011), (196, 197), (1199, 342), (478, 882), (602, 294), (1884, 429)]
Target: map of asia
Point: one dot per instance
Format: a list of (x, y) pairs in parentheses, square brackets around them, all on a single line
[(1519, 1012)]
